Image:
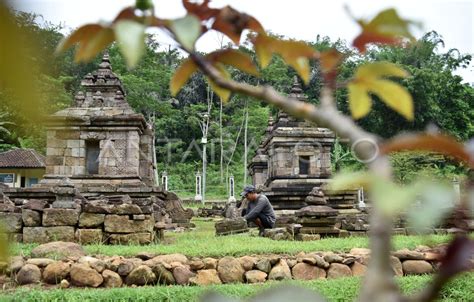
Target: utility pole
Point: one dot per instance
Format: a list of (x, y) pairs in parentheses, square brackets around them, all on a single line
[(204, 123)]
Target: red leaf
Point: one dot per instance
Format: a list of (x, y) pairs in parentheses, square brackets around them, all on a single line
[(203, 11), (231, 23), (126, 13), (361, 41)]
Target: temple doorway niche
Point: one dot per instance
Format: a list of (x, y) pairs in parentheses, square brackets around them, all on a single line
[(304, 162), (92, 156)]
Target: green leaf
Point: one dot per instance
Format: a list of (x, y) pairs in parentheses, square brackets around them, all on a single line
[(186, 30), (130, 36)]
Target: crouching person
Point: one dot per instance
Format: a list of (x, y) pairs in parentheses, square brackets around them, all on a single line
[(259, 209)]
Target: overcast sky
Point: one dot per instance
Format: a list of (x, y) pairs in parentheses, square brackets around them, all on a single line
[(301, 19)]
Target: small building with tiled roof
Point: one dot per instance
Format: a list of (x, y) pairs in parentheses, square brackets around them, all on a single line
[(21, 168)]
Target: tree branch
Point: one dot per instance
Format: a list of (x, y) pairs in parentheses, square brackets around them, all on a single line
[(379, 283)]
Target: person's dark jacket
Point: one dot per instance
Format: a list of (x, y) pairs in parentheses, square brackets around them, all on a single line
[(261, 206)]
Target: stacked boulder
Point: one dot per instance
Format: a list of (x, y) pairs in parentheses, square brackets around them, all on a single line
[(72, 267), (343, 199), (316, 221)]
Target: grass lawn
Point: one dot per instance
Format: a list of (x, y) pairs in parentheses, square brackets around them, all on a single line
[(202, 242), (344, 289)]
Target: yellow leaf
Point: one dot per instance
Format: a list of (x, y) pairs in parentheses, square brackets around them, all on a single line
[(395, 96), (182, 75), (301, 65), (223, 93), (379, 69), (359, 101), (236, 59), (263, 49), (369, 78)]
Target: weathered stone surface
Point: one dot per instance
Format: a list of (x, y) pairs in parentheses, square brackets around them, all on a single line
[(333, 258), (264, 265), (337, 270), (280, 271), (97, 207), (210, 263), (206, 277), (291, 262), (16, 263), (247, 262), (31, 218), (316, 211), (230, 270), (308, 237), (142, 275), (416, 267), (125, 209), (60, 217), (316, 260), (134, 238), (304, 271), (91, 220), (125, 266), (359, 251), (396, 266), (122, 224), (28, 274), (97, 264), (11, 222), (111, 279), (35, 204), (64, 284), (358, 269), (40, 262), (89, 236), (231, 226), (171, 258), (196, 265), (182, 274), (406, 254), (83, 275), (255, 276), (58, 250), (163, 275), (48, 234), (55, 272)]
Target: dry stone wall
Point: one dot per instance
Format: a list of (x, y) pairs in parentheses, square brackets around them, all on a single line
[(79, 270)]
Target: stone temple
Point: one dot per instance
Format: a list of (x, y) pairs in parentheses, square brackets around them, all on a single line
[(99, 185), (294, 157)]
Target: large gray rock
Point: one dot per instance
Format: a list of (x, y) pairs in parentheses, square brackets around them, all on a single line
[(142, 275), (11, 222), (36, 205), (316, 260), (358, 269), (209, 263), (90, 236), (206, 277), (31, 218), (406, 254), (264, 265), (230, 270), (170, 258), (338, 270), (111, 279), (304, 271), (247, 262), (122, 224), (97, 264), (55, 272), (83, 275), (280, 271), (163, 275), (417, 267), (91, 220), (58, 250), (182, 274), (48, 234), (255, 276), (16, 263), (28, 274), (60, 217), (40, 262), (396, 265)]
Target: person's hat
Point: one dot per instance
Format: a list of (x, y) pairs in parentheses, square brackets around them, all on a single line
[(247, 189)]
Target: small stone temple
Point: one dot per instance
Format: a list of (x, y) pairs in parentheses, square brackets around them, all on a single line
[(294, 157), (100, 141), (99, 185)]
